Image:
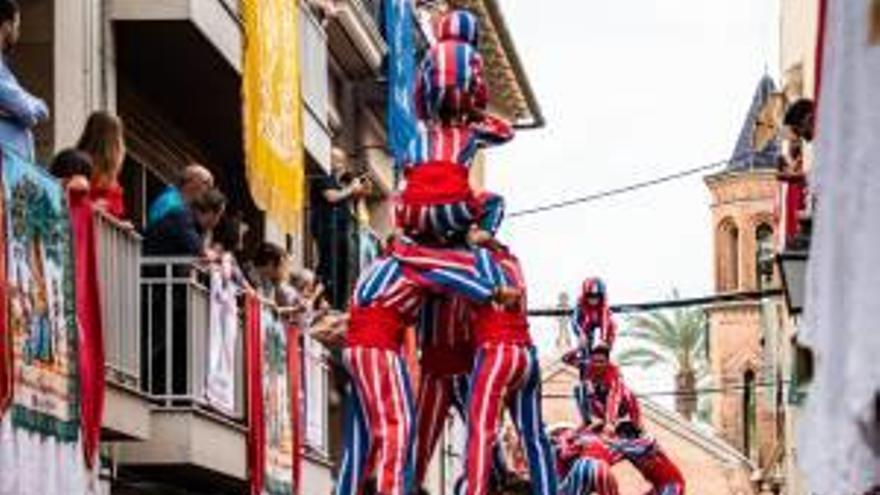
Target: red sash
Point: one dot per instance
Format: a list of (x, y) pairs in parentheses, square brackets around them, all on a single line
[(375, 327), (436, 183)]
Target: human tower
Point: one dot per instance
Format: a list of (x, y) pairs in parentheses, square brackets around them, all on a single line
[(446, 273)]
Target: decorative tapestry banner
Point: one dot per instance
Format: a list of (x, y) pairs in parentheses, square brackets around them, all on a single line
[(279, 434), (41, 319), (273, 109)]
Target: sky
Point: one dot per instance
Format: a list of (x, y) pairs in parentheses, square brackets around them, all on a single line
[(631, 90)]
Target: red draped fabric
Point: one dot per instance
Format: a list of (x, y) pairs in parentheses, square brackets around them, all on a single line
[(89, 324), (294, 371), (256, 420)]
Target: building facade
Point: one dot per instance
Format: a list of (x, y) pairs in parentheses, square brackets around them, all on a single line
[(173, 71)]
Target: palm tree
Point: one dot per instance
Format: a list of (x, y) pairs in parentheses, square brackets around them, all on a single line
[(675, 338)]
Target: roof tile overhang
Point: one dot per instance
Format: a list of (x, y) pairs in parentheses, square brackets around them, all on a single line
[(509, 85)]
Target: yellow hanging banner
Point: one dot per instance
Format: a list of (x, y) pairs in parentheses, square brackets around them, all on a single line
[(273, 109)]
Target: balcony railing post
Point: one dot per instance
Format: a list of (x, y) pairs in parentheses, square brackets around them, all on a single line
[(118, 249)]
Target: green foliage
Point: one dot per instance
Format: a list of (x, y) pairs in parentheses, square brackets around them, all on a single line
[(676, 338), (34, 216)]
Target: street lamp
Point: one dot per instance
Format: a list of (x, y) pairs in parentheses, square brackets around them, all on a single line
[(793, 268)]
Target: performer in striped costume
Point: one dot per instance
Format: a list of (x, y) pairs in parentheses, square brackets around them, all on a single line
[(583, 462), (506, 373), (385, 302), (602, 397), (447, 356), (654, 465), (592, 323), (437, 204)]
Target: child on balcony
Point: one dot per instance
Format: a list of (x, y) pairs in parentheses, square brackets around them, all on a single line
[(437, 204), (103, 139), (73, 168)]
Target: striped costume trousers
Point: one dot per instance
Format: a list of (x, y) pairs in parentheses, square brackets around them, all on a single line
[(588, 476), (436, 394), (507, 375), (378, 436), (451, 220), (652, 462)]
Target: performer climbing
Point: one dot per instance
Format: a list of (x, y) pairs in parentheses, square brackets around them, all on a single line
[(437, 204), (602, 397), (592, 324)]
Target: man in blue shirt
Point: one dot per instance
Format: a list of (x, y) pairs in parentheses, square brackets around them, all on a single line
[(19, 110), (173, 226)]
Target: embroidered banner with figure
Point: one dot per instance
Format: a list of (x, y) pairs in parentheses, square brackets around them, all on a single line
[(279, 446), (274, 384), (222, 336), (273, 133), (41, 306)]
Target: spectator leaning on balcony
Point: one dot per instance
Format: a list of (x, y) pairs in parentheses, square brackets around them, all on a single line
[(19, 110), (195, 181), (104, 140), (270, 275), (331, 222), (73, 168), (173, 211), (188, 232)]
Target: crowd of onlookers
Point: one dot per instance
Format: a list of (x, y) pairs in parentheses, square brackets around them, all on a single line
[(189, 219)]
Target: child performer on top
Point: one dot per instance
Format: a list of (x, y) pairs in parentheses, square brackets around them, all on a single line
[(437, 204)]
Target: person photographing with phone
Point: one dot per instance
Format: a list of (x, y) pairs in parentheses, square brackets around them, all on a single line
[(332, 197)]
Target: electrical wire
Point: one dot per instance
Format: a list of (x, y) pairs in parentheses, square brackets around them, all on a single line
[(621, 190), (697, 392), (728, 297)]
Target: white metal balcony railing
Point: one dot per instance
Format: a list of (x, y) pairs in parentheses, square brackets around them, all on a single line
[(175, 320), (119, 256), (175, 324), (316, 386)]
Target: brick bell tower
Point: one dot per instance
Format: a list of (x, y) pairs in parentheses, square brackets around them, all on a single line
[(741, 341)]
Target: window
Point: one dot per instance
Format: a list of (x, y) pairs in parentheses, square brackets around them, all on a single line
[(728, 256), (750, 414), (764, 255)]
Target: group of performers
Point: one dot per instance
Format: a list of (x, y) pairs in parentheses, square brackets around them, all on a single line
[(445, 273), (611, 427)]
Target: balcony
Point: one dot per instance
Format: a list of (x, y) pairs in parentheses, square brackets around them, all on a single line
[(315, 88), (126, 408), (356, 38), (217, 21), (191, 443)]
